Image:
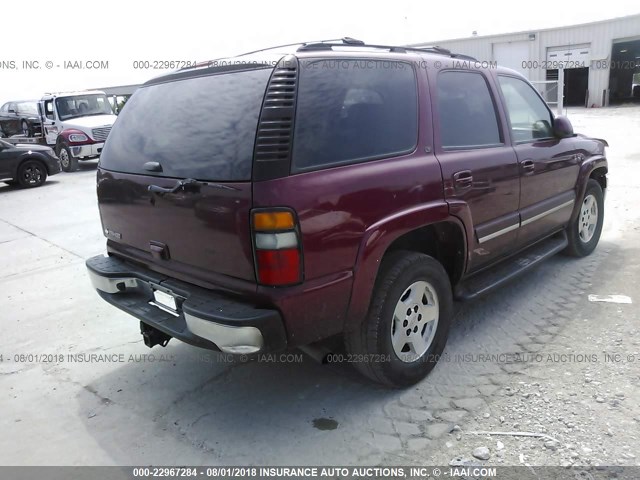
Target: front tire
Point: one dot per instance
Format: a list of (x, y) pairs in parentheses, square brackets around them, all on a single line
[(584, 232), (406, 329), (32, 174), (67, 161)]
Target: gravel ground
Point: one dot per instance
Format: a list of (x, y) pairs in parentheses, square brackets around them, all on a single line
[(576, 390), (181, 405)]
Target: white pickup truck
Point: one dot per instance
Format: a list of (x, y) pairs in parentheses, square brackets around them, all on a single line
[(74, 124)]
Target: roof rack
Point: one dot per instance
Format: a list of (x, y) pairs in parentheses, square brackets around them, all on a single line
[(352, 42), (318, 45), (209, 62)]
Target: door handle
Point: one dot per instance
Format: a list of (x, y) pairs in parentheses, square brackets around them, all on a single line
[(528, 166), (463, 179)]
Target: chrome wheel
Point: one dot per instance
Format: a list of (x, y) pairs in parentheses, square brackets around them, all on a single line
[(415, 321), (64, 158), (588, 218), (25, 129)]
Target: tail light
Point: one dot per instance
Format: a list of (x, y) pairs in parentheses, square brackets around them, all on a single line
[(276, 242)]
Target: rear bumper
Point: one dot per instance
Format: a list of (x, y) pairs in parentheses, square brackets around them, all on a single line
[(203, 318)]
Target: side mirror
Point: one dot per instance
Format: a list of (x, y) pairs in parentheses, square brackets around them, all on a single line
[(11, 110), (562, 127)]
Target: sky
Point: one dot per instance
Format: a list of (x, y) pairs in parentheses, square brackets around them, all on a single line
[(118, 33)]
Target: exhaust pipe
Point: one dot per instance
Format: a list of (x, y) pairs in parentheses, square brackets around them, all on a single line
[(152, 336)]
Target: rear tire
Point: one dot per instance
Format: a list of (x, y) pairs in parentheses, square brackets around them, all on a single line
[(32, 173), (584, 232), (27, 131), (406, 329), (67, 161)]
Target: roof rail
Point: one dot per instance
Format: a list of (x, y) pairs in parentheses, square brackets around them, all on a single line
[(209, 62), (341, 42), (352, 42)]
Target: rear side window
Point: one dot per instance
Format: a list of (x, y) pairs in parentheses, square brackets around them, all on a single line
[(466, 111), (529, 116), (350, 111), (202, 127)]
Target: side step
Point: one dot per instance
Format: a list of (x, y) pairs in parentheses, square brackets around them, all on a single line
[(485, 281)]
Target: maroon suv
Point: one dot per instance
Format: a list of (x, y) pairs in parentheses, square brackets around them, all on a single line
[(254, 205)]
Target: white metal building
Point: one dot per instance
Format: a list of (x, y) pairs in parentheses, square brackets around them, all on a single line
[(601, 60)]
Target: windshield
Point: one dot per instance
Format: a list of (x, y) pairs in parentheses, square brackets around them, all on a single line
[(83, 105)]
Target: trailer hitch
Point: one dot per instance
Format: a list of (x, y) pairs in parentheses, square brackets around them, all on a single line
[(152, 336)]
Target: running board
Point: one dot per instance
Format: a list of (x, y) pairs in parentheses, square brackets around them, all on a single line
[(483, 282)]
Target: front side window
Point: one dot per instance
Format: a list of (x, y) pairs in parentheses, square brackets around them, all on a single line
[(30, 108), (467, 115), (350, 111), (528, 114), (48, 109)]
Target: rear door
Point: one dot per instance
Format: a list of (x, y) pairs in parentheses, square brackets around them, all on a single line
[(199, 126), (479, 169), (549, 166)]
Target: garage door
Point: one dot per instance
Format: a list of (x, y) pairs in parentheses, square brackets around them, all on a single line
[(512, 55), (572, 56)]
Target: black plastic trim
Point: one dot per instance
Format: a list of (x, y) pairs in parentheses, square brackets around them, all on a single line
[(486, 281), (274, 135), (199, 302)]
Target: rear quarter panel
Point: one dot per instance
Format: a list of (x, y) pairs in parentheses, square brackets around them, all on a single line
[(348, 216)]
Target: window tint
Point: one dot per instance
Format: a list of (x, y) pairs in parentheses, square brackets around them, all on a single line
[(202, 127), (467, 114), (529, 116), (354, 110)]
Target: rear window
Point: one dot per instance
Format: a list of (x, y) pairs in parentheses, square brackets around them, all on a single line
[(351, 111), (202, 127)]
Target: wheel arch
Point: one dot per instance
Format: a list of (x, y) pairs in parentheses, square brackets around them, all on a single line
[(27, 158), (595, 168), (441, 236)]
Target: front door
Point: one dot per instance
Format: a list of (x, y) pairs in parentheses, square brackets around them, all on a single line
[(480, 171), (549, 166), (50, 123)]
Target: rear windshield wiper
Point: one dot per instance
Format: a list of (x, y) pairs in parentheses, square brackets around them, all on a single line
[(184, 184), (181, 185)]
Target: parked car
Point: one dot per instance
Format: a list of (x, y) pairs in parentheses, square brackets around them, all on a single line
[(343, 189), (27, 165), (20, 118)]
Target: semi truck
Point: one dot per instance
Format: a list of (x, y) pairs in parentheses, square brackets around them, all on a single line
[(74, 124)]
